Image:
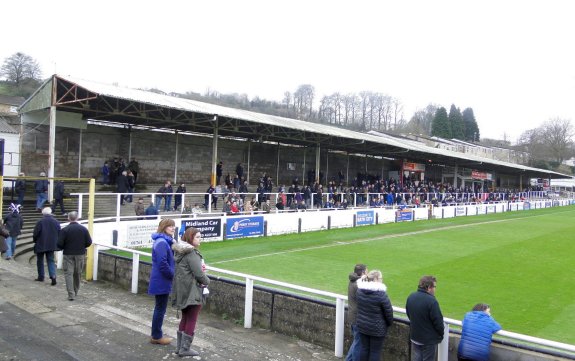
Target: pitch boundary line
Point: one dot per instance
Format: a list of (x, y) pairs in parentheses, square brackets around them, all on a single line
[(389, 236)]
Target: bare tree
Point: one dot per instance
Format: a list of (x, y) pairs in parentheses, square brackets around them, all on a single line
[(20, 67), (303, 101), (558, 135)]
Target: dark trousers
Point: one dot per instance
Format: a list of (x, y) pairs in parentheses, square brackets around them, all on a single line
[(49, 260), (158, 317), (423, 352), (370, 349), (59, 201), (189, 319)]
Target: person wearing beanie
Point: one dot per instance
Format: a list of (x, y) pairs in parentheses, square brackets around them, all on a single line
[(45, 238), (14, 223)]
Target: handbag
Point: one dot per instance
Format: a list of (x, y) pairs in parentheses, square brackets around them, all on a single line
[(4, 232), (3, 245)]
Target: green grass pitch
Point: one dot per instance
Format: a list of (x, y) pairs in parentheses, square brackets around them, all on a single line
[(520, 263)]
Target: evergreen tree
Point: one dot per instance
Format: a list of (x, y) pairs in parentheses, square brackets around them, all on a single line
[(456, 123), (471, 128), (440, 125)]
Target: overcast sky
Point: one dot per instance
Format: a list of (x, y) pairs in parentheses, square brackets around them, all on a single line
[(513, 62)]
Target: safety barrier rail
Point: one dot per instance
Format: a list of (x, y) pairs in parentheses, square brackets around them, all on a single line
[(340, 300)]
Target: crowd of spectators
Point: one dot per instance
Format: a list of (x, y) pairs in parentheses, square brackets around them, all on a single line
[(364, 190)]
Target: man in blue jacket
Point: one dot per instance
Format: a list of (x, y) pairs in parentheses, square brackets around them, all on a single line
[(426, 320), (478, 327)]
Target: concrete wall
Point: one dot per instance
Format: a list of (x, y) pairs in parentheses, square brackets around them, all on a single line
[(307, 319), (156, 154)]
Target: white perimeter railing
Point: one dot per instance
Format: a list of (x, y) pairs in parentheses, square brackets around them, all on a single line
[(443, 348)]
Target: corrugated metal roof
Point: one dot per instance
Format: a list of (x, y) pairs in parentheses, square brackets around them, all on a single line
[(5, 127), (245, 115)]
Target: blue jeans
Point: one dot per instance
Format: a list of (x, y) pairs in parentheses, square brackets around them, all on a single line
[(40, 199), (20, 197), (423, 352), (11, 244), (353, 353), (158, 317), (168, 203), (371, 347), (49, 260)]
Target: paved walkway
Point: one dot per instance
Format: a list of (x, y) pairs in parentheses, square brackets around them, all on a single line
[(37, 322)]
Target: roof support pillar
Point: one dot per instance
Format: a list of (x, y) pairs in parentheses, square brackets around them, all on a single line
[(248, 166), (215, 150), (326, 166), (317, 157), (278, 167), (303, 168), (347, 171), (455, 177), (176, 158), (80, 155), (130, 142), (51, 146)]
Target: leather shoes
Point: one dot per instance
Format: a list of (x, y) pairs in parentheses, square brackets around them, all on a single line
[(53, 281), (161, 341), (39, 279)]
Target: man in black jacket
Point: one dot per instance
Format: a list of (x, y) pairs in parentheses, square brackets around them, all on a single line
[(73, 240), (426, 321), (45, 238), (359, 271), (59, 197)]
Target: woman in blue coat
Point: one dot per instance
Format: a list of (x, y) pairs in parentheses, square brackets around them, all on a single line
[(374, 315), (163, 268), (478, 327)]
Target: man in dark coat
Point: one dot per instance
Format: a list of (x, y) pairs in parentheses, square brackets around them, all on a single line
[(59, 197), (123, 186), (73, 240), (426, 320), (41, 189), (45, 238), (219, 172), (359, 271), (20, 187), (14, 222)]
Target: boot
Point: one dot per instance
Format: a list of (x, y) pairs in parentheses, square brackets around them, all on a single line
[(185, 349), (179, 342)]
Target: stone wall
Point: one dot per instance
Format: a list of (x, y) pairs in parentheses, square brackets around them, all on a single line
[(305, 318), (156, 154)]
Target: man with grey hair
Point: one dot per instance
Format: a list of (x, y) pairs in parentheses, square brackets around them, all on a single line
[(73, 240), (45, 238)]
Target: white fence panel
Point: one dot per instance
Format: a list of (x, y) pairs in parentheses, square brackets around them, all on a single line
[(420, 214), (342, 218), (385, 215), (280, 223), (448, 212), (314, 221)]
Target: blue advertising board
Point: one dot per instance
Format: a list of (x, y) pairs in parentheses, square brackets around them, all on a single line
[(209, 227), (244, 227), (526, 206), (364, 218), (403, 216)]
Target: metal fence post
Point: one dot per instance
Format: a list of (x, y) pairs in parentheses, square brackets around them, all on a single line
[(248, 303), (95, 265), (339, 326), (80, 198), (443, 349), (135, 271)]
